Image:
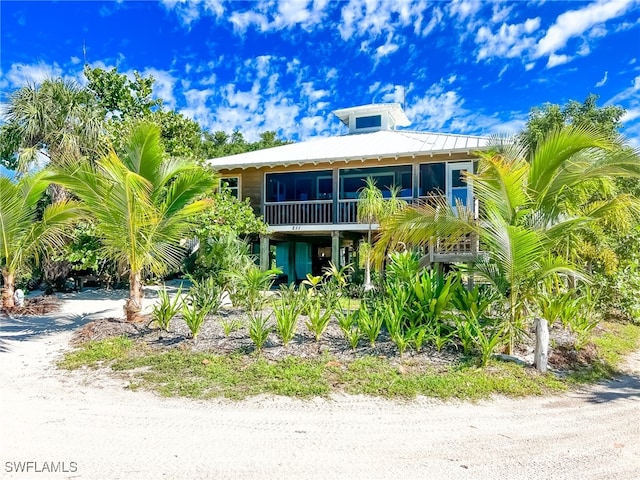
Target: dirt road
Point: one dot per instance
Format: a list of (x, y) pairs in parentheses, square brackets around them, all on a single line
[(87, 424)]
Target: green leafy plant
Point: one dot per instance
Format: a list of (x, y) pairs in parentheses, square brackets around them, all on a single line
[(348, 323), (418, 336), (318, 317), (370, 322), (286, 310), (164, 311), (403, 267), (259, 329), (230, 325), (194, 317), (251, 283), (394, 323), (206, 294)]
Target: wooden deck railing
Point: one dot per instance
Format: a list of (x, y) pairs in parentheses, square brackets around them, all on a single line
[(299, 213)]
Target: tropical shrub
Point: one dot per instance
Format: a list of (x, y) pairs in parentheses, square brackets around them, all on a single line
[(259, 329), (286, 310), (348, 323), (194, 317), (318, 317), (164, 311), (206, 295), (250, 285), (370, 321)]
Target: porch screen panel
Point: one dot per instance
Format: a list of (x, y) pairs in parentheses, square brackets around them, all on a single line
[(352, 180), (299, 186), (432, 179)]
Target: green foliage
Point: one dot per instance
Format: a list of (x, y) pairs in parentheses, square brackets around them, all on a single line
[(403, 267), (194, 317), (259, 329), (205, 294), (348, 323), (370, 321), (142, 203), (221, 144), (164, 311), (551, 117), (93, 354), (218, 257), (230, 325), (118, 95), (227, 216), (286, 310), (25, 235), (57, 118), (251, 283), (318, 316)]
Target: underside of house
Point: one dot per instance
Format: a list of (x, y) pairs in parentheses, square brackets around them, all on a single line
[(308, 192)]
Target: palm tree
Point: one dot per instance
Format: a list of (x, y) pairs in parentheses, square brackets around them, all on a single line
[(374, 208), (526, 220), (24, 234), (54, 120), (143, 205)]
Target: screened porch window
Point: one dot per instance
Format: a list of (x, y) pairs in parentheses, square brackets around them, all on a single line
[(432, 179), (299, 186), (353, 179)]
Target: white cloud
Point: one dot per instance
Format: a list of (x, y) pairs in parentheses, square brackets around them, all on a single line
[(268, 16), (372, 18), (75, 60), (387, 49), (604, 80), (196, 108), (21, 74), (630, 115), (510, 41), (630, 92), (163, 87), (555, 60), (464, 9), (435, 109), (190, 10), (576, 22)]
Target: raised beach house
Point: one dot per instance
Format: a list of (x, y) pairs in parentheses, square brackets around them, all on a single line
[(308, 192)]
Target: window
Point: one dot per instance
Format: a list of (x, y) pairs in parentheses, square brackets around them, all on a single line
[(432, 179), (299, 186), (232, 184), (369, 122), (353, 179)]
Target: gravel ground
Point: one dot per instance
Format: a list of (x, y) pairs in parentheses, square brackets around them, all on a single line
[(89, 418)]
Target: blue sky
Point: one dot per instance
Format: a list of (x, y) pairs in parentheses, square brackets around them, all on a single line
[(462, 66)]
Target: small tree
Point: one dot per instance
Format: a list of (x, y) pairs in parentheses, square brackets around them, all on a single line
[(23, 233), (373, 208), (143, 204)]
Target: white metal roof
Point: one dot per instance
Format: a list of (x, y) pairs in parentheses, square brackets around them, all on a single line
[(363, 146)]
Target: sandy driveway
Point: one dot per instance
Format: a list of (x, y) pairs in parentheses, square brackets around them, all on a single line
[(108, 432)]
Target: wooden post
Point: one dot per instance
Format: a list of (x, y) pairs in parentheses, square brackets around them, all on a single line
[(264, 253), (335, 248), (541, 355)]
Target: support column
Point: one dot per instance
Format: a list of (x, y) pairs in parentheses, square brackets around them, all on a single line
[(335, 248), (265, 253), (335, 195)]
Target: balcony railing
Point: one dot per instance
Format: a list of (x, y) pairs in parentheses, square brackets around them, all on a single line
[(299, 213), (315, 212)]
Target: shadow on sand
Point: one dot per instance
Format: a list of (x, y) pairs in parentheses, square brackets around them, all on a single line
[(20, 328), (621, 387)]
